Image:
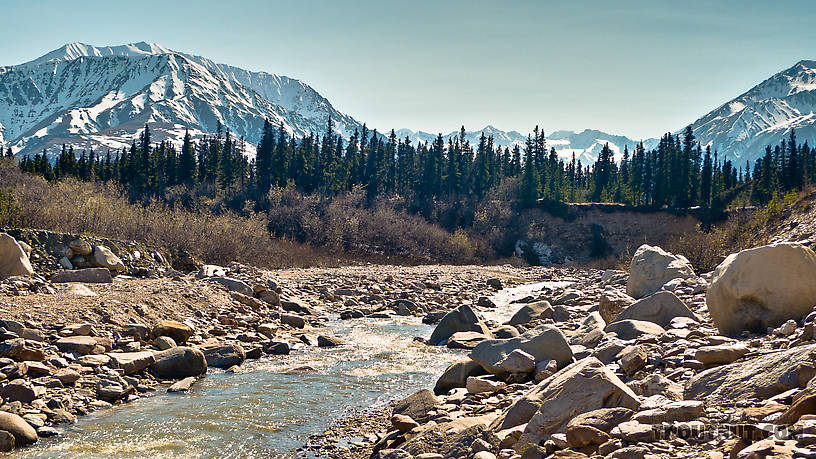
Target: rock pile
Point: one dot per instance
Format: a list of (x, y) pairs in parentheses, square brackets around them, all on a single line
[(720, 365)]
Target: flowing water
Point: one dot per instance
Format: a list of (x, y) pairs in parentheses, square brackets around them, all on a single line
[(274, 404)]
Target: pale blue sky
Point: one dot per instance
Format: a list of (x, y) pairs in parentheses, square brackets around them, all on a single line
[(633, 68)]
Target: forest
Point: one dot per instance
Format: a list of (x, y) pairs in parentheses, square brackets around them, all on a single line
[(444, 182)]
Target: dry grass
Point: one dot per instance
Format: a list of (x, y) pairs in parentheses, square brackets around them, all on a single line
[(104, 211)]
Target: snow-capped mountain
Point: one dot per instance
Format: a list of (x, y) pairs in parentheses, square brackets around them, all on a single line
[(586, 145), (741, 128), (102, 97)]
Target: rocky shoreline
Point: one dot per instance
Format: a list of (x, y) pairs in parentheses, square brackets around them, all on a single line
[(655, 362)]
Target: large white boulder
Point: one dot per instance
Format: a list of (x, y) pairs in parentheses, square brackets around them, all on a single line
[(652, 267), (762, 287), (13, 258)]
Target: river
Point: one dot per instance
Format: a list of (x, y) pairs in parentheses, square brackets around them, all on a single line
[(272, 405)]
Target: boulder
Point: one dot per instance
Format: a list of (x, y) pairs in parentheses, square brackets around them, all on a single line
[(102, 257), (183, 385), (758, 377), (403, 423), (225, 356), (532, 311), (505, 331), (13, 258), (131, 362), (762, 287), (20, 392), (418, 405), (179, 362), (178, 331), (459, 320), (296, 306), (633, 329), (543, 343), (652, 267), (22, 431), (87, 275), (581, 387), (659, 308), (456, 375), (611, 302)]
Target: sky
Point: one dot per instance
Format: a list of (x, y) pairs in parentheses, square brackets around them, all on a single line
[(630, 68)]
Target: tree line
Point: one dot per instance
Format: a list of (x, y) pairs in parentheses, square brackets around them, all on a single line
[(677, 173)]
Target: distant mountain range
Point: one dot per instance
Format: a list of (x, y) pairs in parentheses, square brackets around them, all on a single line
[(101, 97)]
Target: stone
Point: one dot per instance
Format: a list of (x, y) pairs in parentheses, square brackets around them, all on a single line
[(83, 329), (179, 362), (495, 282), (296, 306), (590, 332), (478, 385), (651, 267), (81, 345), (13, 258), (459, 320), (210, 271), (19, 392), (183, 385), (583, 386), (87, 276), (611, 302), (80, 247), (633, 329), (545, 342), (659, 308), (634, 432), (293, 320), (131, 362), (231, 284), (225, 356), (518, 361), (721, 354), (679, 411), (178, 331), (18, 349), (102, 257), (270, 296), (757, 377), (579, 436), (545, 369), (532, 311), (22, 431), (632, 359), (418, 405), (164, 343), (762, 287), (67, 376), (456, 375), (111, 391), (276, 348), (484, 455), (403, 423), (466, 340), (505, 331), (7, 441), (603, 419)]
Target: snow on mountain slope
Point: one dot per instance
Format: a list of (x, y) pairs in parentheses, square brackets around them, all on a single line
[(586, 145), (102, 97), (741, 128)]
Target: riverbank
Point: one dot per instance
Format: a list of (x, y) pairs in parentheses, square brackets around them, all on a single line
[(290, 322)]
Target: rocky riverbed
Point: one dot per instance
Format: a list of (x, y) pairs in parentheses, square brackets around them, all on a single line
[(503, 362)]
